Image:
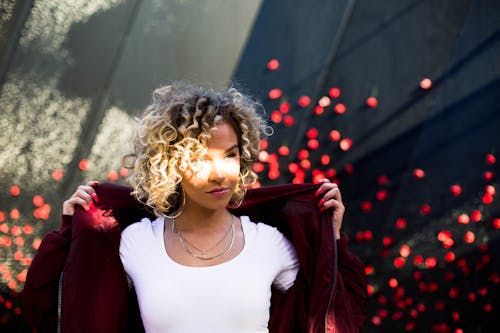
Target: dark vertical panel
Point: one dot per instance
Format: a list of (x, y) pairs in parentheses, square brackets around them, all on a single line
[(14, 14)]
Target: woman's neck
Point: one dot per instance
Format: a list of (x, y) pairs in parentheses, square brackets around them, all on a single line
[(203, 220)]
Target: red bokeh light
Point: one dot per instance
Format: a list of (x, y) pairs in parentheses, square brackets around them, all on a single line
[(331, 173), (288, 121), (28, 229), (113, 175), (275, 93), (449, 256), (496, 223), (305, 164), (334, 92), (14, 213), (83, 165), (273, 64), (15, 190), (293, 167), (382, 180), (38, 201), (476, 215), (276, 117), (345, 144), (324, 101), (57, 174), (283, 151), (370, 289), (491, 159), (369, 269), (463, 219), (263, 144), (340, 108), (487, 198), (490, 189), (387, 241), (303, 154), (425, 209), (401, 223), (258, 167), (376, 320), (456, 190), (443, 235), (36, 243), (426, 83), (399, 262), (469, 237), (313, 144), (430, 262), (284, 107), (312, 133), (382, 195), (366, 206), (318, 110), (364, 235), (393, 283), (325, 159), (334, 135), (371, 102), (263, 156), (488, 175), (304, 101), (273, 174), (404, 250), (15, 231), (418, 173), (42, 212)]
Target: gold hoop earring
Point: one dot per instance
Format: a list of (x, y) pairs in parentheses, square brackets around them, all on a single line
[(178, 211)]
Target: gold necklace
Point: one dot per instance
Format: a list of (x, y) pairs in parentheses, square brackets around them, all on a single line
[(203, 255)]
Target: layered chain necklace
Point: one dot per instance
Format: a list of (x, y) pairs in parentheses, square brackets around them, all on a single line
[(204, 253)]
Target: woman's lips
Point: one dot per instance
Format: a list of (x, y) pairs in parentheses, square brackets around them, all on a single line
[(219, 192)]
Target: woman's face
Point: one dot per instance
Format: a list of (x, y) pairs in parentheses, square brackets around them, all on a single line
[(213, 183)]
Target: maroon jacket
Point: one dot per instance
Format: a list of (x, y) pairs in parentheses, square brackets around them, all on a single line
[(81, 260)]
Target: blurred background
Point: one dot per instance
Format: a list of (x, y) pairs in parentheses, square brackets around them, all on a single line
[(397, 101)]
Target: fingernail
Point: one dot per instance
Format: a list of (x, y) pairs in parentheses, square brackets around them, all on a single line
[(92, 206), (94, 196), (321, 202), (318, 192)]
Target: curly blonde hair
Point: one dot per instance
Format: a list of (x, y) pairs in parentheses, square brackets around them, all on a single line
[(173, 133)]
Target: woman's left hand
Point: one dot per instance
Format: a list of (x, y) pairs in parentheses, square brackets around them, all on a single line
[(332, 198)]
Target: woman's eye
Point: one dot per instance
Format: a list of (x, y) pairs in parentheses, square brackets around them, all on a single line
[(231, 155)]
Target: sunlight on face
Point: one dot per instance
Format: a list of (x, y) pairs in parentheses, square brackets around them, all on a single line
[(212, 182)]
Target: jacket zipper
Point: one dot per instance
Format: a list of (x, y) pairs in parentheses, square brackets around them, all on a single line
[(332, 291), (59, 302)]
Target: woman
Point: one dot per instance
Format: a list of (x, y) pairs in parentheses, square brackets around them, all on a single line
[(196, 266)]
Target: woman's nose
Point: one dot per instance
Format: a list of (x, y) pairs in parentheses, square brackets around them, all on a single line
[(217, 171)]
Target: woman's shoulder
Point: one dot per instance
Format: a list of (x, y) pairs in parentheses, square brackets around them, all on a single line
[(145, 226), (261, 230)]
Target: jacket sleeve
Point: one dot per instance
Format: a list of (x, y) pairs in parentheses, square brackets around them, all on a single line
[(351, 301), (39, 296)]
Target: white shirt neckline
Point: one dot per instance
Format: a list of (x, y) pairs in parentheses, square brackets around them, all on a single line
[(161, 238)]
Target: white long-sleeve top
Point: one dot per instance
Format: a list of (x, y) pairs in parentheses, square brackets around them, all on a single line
[(232, 297)]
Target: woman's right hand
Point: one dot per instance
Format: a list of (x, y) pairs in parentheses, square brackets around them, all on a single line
[(83, 196)]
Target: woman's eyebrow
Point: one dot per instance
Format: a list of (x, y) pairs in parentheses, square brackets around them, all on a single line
[(232, 147)]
